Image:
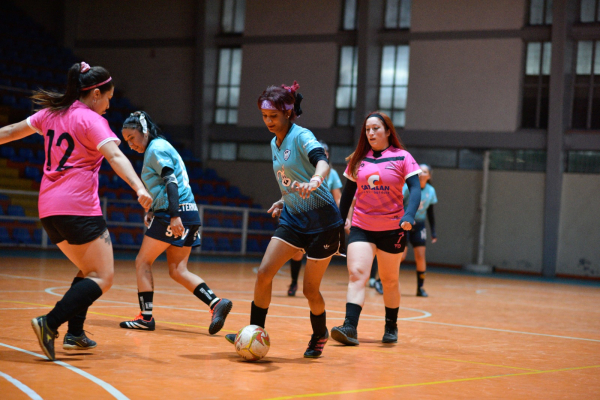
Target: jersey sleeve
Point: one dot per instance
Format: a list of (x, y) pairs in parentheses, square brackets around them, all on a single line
[(348, 175), (99, 134), (306, 142), (334, 181), (35, 121), (434, 196), (160, 158), (410, 167)]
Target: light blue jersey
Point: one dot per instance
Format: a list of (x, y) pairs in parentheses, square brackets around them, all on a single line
[(160, 154), (428, 197), (333, 180), (317, 213)]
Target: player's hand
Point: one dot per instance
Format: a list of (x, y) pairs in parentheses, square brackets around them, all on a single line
[(407, 222), (306, 188), (148, 218), (177, 227), (144, 198), (276, 208), (433, 240), (407, 226), (348, 225)]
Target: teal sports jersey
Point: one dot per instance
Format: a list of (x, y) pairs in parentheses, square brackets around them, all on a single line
[(318, 213), (428, 197), (333, 180), (160, 154)]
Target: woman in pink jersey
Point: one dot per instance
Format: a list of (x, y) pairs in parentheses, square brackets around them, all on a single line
[(376, 172), (77, 138)]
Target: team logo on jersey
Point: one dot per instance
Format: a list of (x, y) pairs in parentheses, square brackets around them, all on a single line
[(285, 181), (374, 180), (286, 154)]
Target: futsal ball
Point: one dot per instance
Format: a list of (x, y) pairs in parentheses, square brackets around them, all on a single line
[(252, 343)]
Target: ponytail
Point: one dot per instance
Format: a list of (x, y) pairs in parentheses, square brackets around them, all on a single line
[(141, 121)]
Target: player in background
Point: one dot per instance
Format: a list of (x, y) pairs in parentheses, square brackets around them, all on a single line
[(376, 172), (335, 185), (418, 234), (77, 138), (173, 222), (309, 218)]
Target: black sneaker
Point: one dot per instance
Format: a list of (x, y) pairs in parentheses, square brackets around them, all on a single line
[(421, 292), (345, 334), (218, 314), (139, 323), (45, 335), (378, 286), (316, 345), (72, 342), (230, 337), (292, 289), (391, 334)]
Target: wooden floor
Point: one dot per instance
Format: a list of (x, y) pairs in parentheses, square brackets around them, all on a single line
[(474, 337)]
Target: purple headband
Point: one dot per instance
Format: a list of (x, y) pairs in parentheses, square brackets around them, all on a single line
[(268, 105)]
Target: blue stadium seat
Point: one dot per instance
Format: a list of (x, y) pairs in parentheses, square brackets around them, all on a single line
[(233, 192), (227, 223), (223, 244), (9, 100), (264, 244), (113, 238), (212, 222), (21, 235), (236, 245), (126, 239), (208, 244), (269, 226), (4, 236), (126, 196), (255, 225), (1, 210), (15, 210), (103, 180), (139, 238), (110, 195), (117, 216), (207, 190), (33, 173), (7, 152), (135, 217), (221, 190), (37, 236), (252, 246)]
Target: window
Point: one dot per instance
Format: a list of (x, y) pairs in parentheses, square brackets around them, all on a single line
[(393, 87), (536, 85), (586, 162), (590, 11), (228, 85), (255, 152), (540, 12), (223, 151), (338, 154), (397, 14), (518, 160), (586, 97), (349, 16), (232, 18), (345, 99)]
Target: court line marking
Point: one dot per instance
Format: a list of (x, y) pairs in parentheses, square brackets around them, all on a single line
[(454, 360), (428, 383), (21, 386), (104, 385)]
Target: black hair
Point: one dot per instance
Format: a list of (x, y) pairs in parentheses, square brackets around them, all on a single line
[(280, 96), (136, 121), (76, 80)]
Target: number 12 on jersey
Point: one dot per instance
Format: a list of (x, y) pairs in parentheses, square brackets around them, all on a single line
[(70, 146)]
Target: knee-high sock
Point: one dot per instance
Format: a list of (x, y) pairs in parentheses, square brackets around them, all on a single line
[(78, 298), (295, 268), (76, 323)]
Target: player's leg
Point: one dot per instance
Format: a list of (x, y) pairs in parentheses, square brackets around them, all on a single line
[(421, 269), (295, 266), (389, 272)]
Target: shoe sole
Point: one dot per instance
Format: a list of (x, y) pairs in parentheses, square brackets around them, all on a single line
[(343, 339), (137, 328), (216, 326), (72, 347), (232, 341), (38, 333), (389, 340)]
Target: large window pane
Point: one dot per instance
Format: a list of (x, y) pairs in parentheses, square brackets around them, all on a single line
[(228, 88), (446, 158), (588, 10), (233, 16), (586, 162), (387, 65), (347, 82), (223, 151), (534, 53), (349, 19), (397, 14), (540, 12), (255, 152), (584, 58), (536, 83), (394, 82)]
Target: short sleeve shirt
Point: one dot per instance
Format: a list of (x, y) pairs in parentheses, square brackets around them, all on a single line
[(428, 197), (379, 201), (161, 154), (72, 141), (333, 180), (318, 212)]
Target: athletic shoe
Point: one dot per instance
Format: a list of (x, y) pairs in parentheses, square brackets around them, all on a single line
[(72, 342), (421, 292), (316, 345), (218, 314), (379, 286), (391, 334), (230, 337), (292, 289), (139, 323), (372, 282), (345, 334), (45, 335)]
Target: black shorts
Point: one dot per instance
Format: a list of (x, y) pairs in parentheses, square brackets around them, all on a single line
[(73, 228), (317, 246), (160, 229), (417, 236), (393, 241)]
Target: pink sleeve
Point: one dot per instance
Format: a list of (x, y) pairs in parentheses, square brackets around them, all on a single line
[(99, 134), (410, 166), (347, 174), (36, 120)]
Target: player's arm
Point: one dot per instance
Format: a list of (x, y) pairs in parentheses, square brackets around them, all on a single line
[(431, 219), (10, 133), (337, 196), (276, 208), (414, 199), (319, 160), (170, 181), (121, 165)]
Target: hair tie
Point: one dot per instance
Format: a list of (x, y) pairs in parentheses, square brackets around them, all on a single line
[(85, 67), (297, 108), (143, 123)]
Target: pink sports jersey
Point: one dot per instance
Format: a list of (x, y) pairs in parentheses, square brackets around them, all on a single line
[(72, 140), (379, 200)]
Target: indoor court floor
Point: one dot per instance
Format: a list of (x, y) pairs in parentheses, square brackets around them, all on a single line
[(493, 337)]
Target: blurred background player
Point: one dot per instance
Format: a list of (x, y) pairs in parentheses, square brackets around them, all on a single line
[(335, 187), (173, 223), (77, 139)]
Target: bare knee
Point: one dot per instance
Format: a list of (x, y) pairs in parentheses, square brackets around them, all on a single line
[(175, 274), (311, 293)]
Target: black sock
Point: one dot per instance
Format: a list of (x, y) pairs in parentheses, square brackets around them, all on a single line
[(258, 315), (319, 323), (146, 304), (420, 278), (207, 296), (352, 314), (374, 268), (78, 298), (295, 268), (391, 316), (76, 323)]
